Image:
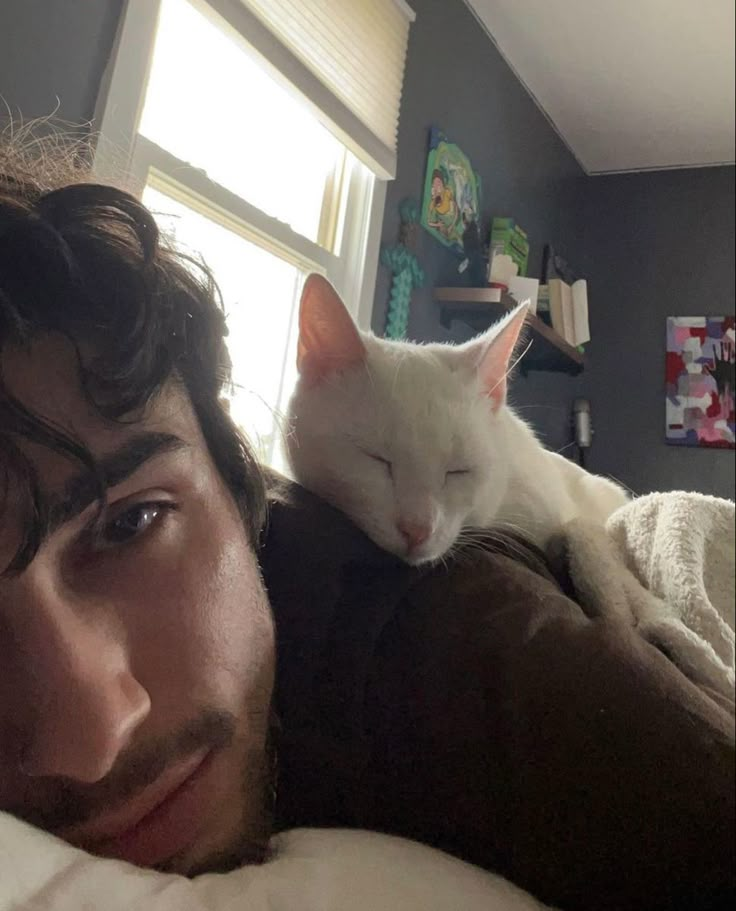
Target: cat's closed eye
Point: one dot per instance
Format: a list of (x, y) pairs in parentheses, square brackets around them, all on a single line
[(381, 461), (453, 473)]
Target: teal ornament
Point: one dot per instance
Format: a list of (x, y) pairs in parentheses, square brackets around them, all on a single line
[(409, 211), (407, 273)]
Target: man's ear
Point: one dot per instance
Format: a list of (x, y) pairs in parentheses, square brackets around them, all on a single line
[(491, 354), (329, 341)]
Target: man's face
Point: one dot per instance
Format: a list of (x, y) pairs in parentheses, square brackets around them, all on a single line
[(137, 665)]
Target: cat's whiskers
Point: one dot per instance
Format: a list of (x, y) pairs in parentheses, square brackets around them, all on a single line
[(623, 484), (509, 370), (444, 561), (506, 525), (395, 380), (527, 523), (479, 539), (503, 534), (369, 374), (265, 445)]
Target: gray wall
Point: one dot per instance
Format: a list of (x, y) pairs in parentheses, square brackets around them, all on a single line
[(632, 235), (456, 79), (54, 49), (656, 245)]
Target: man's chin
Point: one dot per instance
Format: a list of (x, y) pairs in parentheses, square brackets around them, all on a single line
[(244, 826), (252, 853)]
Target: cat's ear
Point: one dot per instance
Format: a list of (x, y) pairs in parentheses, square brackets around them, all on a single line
[(493, 351), (329, 342)]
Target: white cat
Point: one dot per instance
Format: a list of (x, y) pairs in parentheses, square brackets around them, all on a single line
[(416, 443)]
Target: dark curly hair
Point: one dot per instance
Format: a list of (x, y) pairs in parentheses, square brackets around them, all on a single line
[(87, 261)]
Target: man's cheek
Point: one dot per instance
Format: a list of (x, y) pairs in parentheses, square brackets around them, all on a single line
[(219, 618)]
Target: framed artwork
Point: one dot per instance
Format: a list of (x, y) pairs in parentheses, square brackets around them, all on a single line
[(701, 359), (451, 191)]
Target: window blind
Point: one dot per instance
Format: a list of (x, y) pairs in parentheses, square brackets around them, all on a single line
[(356, 49)]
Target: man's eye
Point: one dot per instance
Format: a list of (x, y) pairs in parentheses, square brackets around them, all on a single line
[(457, 472), (132, 522)]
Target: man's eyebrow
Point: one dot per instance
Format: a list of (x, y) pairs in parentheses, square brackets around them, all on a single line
[(114, 468)]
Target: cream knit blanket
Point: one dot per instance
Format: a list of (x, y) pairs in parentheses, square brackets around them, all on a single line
[(666, 562)]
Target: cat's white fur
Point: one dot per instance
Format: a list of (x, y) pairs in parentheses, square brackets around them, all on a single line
[(383, 430)]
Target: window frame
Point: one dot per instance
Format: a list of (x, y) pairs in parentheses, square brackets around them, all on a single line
[(122, 150)]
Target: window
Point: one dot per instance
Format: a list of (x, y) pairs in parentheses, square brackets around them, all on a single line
[(261, 291), (227, 115), (243, 168)]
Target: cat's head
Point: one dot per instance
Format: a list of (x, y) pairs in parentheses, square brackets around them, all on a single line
[(408, 440)]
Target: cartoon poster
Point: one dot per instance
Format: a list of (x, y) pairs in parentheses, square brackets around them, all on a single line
[(701, 361), (451, 191)]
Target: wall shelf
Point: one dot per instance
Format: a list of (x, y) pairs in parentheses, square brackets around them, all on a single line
[(480, 307)]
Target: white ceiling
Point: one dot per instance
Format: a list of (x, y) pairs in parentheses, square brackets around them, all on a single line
[(629, 84)]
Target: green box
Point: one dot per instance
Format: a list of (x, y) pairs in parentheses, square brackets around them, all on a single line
[(509, 238)]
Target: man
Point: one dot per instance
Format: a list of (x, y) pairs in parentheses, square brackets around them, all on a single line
[(138, 644), (475, 708)]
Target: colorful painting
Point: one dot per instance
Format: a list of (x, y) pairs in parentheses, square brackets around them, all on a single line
[(451, 191), (701, 361)]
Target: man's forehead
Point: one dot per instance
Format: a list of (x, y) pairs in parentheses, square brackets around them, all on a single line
[(45, 379)]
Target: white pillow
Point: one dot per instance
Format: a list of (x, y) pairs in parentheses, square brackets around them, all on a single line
[(313, 870)]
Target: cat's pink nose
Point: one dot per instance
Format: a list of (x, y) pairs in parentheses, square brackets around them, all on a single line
[(414, 533)]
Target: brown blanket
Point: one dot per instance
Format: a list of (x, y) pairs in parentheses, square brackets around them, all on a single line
[(477, 708)]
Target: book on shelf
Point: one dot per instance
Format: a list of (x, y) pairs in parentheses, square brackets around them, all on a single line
[(568, 308), (525, 289)]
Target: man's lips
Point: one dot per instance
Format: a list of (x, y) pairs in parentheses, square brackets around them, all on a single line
[(155, 824)]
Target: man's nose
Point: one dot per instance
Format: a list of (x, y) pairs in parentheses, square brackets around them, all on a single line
[(86, 701)]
